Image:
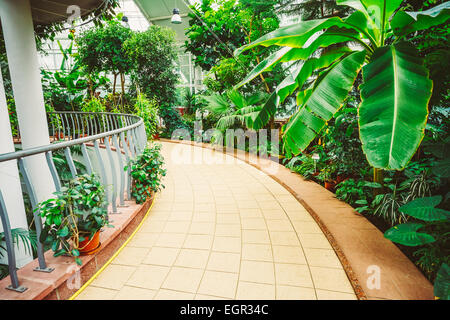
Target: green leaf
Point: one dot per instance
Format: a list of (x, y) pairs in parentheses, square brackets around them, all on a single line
[(408, 22), (78, 261), (442, 283), (393, 112), (295, 35), (407, 234), (424, 209), (325, 100)]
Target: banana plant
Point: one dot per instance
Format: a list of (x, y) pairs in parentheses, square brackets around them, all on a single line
[(395, 89), (234, 108)]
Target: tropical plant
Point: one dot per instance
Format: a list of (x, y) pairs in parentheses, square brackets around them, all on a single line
[(234, 108), (433, 229), (153, 54), (147, 171), (20, 235), (358, 194), (148, 111), (392, 127), (75, 214), (101, 49)]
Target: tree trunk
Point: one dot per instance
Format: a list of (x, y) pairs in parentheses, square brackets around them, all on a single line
[(378, 177), (122, 84)]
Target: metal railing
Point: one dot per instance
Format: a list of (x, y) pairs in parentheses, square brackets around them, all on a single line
[(123, 133)]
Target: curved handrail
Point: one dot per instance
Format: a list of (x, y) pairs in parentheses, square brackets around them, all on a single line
[(123, 132), (60, 145)]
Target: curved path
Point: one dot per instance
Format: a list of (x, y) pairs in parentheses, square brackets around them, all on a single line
[(222, 229)]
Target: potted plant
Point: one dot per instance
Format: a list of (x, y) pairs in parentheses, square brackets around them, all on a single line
[(146, 172), (327, 176), (74, 217)]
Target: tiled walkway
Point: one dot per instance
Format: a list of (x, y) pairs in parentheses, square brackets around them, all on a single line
[(222, 229)]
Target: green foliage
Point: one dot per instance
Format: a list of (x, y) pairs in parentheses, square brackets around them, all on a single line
[(383, 123), (148, 111), (217, 28), (432, 233), (20, 235), (101, 48), (153, 54), (93, 105), (76, 213), (172, 120), (147, 172)]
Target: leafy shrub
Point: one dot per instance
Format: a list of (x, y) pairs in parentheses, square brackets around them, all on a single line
[(93, 105), (148, 111), (147, 172), (76, 213), (430, 229)]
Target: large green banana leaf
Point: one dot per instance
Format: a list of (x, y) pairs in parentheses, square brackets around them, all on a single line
[(294, 81), (393, 112), (408, 22), (330, 91), (295, 35)]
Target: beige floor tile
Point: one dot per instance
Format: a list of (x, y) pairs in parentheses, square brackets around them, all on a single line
[(295, 293), (224, 218), (227, 244), (192, 258), (171, 240), (288, 254), (95, 293), (113, 277), (284, 238), (198, 241), (161, 256), (153, 226), (332, 295), (131, 256), (204, 207), (255, 236), (255, 291), (206, 297), (204, 217), (148, 277), (133, 293), (331, 279), (143, 240), (293, 274), (183, 279), (227, 208), (247, 204), (180, 216), (224, 261), (257, 252), (322, 258), (314, 240), (270, 214), (253, 224), (299, 215), (164, 294), (303, 227), (202, 228), (228, 230), (177, 227), (279, 225), (221, 284), (251, 213), (272, 205), (257, 271)]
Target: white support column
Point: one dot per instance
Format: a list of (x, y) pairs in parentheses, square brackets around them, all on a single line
[(10, 180), (23, 63)]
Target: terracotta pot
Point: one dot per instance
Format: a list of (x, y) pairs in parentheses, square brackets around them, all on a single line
[(89, 246), (329, 185)]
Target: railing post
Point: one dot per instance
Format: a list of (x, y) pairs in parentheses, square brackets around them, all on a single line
[(37, 218), (121, 169), (53, 171), (113, 173), (15, 285)]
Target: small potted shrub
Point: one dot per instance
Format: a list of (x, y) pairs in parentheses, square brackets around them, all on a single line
[(147, 172), (74, 217), (326, 176)]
